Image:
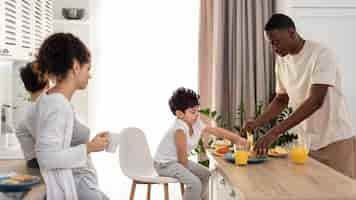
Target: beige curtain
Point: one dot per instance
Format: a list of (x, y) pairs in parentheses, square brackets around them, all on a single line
[(205, 52), (236, 63)]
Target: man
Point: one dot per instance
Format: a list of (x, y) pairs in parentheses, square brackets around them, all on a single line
[(308, 78)]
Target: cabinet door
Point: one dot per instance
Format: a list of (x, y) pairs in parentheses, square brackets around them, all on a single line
[(221, 189), (232, 193), (213, 190)]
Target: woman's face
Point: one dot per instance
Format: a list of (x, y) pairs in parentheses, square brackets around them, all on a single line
[(83, 76)]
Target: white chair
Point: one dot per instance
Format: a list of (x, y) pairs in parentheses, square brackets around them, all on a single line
[(136, 162)]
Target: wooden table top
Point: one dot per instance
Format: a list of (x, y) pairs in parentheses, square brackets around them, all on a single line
[(280, 179)]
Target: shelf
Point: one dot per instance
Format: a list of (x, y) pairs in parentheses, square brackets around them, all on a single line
[(59, 4), (71, 22)]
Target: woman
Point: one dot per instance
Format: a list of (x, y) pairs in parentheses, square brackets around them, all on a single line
[(62, 143), (35, 85)]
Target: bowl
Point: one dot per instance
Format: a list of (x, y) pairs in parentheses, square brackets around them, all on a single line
[(73, 13)]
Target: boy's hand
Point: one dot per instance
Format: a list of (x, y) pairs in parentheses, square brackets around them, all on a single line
[(241, 141)]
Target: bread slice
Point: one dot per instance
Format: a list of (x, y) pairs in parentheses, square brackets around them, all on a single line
[(23, 178)]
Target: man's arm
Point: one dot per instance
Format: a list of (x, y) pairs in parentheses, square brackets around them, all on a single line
[(311, 104), (315, 100), (278, 104)]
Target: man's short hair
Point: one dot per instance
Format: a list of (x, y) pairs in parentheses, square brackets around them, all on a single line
[(279, 21)]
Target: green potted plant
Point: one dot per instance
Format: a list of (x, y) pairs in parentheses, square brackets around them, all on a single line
[(284, 139)]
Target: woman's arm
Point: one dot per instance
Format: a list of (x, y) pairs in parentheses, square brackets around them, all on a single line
[(53, 131), (181, 145)]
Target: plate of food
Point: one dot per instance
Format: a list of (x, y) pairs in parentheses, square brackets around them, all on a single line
[(278, 152), (252, 158), (18, 183), (221, 143), (221, 151)]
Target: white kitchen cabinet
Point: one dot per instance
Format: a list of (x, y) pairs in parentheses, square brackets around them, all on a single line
[(221, 189), (24, 24), (213, 188)]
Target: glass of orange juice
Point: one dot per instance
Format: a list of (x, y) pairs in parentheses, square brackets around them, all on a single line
[(241, 154), (300, 150)]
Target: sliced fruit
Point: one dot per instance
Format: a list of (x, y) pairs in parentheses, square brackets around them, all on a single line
[(222, 149)]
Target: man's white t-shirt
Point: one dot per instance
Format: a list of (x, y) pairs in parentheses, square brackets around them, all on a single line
[(167, 150), (295, 74)]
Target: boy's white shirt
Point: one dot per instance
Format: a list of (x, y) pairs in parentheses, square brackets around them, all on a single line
[(167, 150)]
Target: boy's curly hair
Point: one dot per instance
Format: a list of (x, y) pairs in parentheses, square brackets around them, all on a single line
[(182, 99)]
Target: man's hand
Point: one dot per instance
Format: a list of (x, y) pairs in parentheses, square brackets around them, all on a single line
[(261, 146), (315, 100), (250, 126)]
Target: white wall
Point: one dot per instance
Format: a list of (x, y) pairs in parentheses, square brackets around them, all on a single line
[(332, 22), (143, 50), (5, 82), (281, 6), (6, 69), (83, 30)]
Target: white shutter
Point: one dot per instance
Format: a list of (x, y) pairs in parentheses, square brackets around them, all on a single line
[(47, 18), (8, 28), (24, 24), (37, 24), (25, 29)]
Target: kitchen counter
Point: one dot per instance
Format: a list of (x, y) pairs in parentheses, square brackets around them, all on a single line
[(19, 166), (280, 179)]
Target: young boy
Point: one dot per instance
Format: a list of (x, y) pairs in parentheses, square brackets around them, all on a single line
[(171, 158), (35, 85)]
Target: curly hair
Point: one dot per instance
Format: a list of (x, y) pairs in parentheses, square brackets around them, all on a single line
[(32, 78), (58, 52), (182, 99)]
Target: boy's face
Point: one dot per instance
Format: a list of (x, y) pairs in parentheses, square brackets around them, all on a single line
[(191, 115)]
